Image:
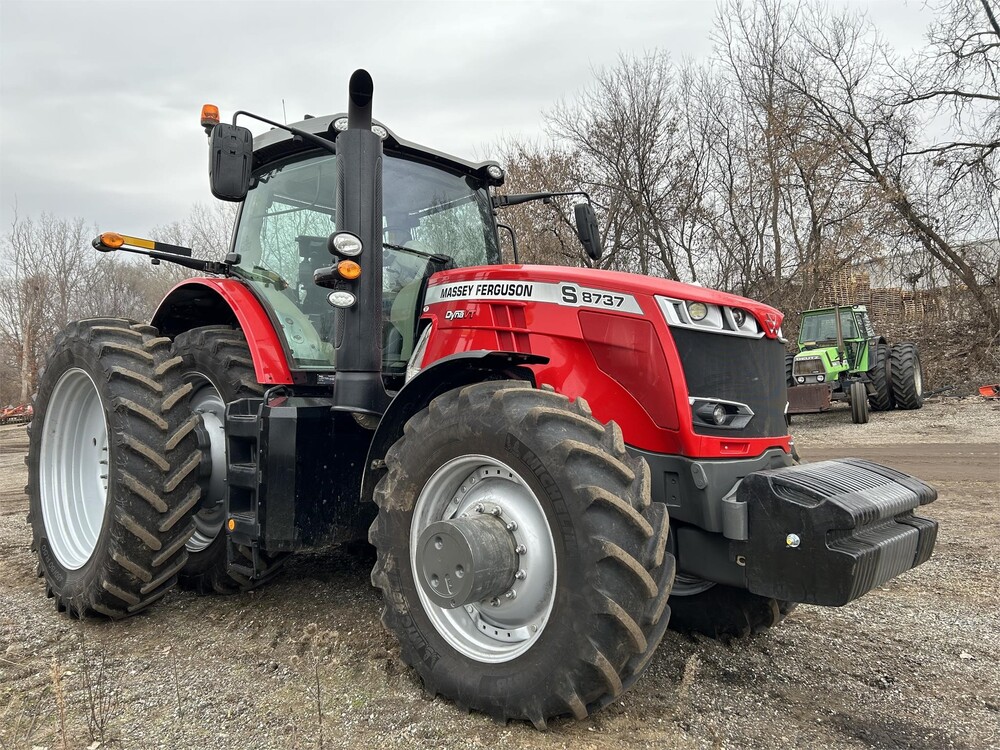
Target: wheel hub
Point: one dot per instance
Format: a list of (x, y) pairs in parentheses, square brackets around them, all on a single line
[(488, 521), (466, 560), (211, 433)]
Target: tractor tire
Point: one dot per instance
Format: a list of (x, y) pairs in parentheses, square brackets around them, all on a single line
[(907, 377), (879, 374), (789, 378), (112, 469), (726, 612), (593, 575), (857, 395), (218, 366)]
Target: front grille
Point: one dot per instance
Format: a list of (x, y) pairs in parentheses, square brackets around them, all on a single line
[(808, 366), (732, 368)]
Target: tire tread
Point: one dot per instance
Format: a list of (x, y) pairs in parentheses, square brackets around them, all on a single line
[(114, 580)]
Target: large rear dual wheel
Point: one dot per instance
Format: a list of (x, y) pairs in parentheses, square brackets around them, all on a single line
[(907, 377), (217, 363), (121, 503), (112, 468), (897, 376), (879, 374)]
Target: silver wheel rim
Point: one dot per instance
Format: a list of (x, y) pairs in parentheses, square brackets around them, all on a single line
[(73, 469), (211, 514), (505, 628), (918, 378)]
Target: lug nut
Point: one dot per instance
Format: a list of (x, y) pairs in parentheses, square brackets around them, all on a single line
[(511, 594), (495, 601), (520, 549), (792, 540), (479, 508), (520, 575), (512, 526), (496, 511)]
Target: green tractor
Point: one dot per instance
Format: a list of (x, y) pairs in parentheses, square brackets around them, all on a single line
[(840, 358)]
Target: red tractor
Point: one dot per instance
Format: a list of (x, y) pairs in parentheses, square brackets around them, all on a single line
[(563, 461)]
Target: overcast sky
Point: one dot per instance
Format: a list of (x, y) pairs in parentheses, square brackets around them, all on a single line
[(100, 101)]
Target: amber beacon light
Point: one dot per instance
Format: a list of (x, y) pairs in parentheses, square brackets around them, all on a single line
[(209, 116)]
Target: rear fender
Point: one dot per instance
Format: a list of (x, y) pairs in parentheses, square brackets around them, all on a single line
[(204, 302), (444, 375)]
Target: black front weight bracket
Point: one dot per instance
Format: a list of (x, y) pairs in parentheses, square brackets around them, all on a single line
[(828, 532)]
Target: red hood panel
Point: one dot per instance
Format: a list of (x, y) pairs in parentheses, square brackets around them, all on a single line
[(613, 281)]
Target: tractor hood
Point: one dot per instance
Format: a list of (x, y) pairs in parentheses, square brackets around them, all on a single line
[(628, 293)]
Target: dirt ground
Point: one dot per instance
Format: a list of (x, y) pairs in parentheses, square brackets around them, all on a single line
[(304, 662)]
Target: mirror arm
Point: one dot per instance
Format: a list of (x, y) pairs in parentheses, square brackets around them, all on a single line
[(195, 264), (499, 201), (513, 238), (311, 137)]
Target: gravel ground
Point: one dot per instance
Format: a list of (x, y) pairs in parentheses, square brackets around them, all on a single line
[(304, 663)]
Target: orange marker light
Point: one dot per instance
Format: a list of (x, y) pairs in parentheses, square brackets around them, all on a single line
[(209, 115), (348, 269), (231, 524), (112, 239)]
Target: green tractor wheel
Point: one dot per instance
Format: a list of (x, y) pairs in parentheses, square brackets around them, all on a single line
[(907, 377), (858, 396), (879, 374)]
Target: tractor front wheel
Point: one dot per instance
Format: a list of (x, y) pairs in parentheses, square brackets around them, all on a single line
[(112, 465), (720, 611), (523, 568), (218, 366), (858, 396), (907, 377)]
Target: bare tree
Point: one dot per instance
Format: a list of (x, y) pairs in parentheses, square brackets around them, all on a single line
[(846, 75), (51, 275), (623, 132), (545, 232)]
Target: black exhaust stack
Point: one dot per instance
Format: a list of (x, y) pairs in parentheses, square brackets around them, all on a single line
[(358, 341)]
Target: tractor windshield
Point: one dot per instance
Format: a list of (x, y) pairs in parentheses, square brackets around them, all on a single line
[(290, 212), (819, 327)]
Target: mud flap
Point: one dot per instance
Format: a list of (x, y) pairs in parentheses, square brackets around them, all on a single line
[(827, 533)]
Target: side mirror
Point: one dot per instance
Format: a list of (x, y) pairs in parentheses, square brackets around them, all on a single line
[(588, 231), (230, 162)]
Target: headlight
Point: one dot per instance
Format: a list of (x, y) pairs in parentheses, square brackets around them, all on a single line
[(341, 298), (346, 244), (820, 378), (697, 310), (719, 413), (801, 379), (739, 316)]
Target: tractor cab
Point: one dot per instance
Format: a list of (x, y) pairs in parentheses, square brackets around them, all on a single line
[(433, 219), (826, 349)]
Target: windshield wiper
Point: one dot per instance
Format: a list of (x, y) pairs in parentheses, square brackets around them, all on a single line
[(258, 273), (437, 257)]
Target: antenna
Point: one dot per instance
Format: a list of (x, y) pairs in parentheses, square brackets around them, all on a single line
[(284, 114)]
